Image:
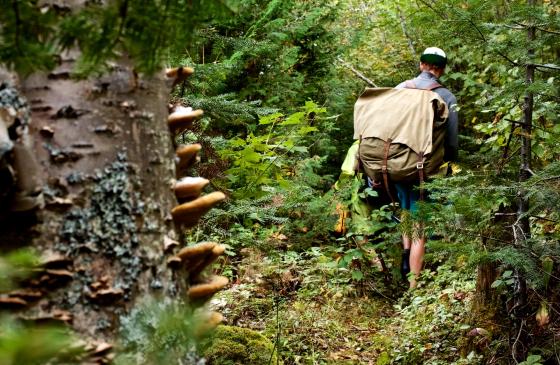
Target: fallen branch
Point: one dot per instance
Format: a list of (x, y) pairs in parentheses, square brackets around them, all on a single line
[(356, 72)]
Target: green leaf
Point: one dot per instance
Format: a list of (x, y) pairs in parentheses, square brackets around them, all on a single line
[(296, 118), (507, 274), (249, 155), (237, 142), (301, 149), (497, 283), (357, 275), (307, 129), (271, 118)]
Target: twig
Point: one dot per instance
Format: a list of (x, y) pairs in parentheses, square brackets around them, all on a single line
[(550, 178), (380, 293), (521, 123), (277, 342), (515, 342), (356, 72), (504, 158), (507, 59), (555, 353), (544, 219)]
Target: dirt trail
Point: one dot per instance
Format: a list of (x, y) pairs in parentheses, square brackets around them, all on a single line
[(313, 320)]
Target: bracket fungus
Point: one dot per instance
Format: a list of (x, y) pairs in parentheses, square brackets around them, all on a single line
[(52, 278), (197, 251), (206, 290), (197, 267), (28, 295), (107, 296), (169, 244), (51, 260), (208, 323), (174, 262), (182, 118), (190, 187), (186, 155), (179, 74), (56, 317), (12, 303), (196, 258), (188, 214)]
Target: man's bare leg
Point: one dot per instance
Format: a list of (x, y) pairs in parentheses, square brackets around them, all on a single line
[(406, 242), (416, 259)]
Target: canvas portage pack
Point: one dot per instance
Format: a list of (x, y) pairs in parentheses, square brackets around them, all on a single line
[(401, 133)]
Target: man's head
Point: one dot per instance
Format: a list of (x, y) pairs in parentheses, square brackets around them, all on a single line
[(433, 60)]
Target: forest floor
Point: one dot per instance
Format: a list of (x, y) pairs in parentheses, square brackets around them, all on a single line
[(315, 314)]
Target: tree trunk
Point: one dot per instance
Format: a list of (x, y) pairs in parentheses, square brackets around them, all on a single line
[(521, 343), (106, 159), (525, 168)]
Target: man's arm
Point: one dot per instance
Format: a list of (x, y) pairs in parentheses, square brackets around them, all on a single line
[(452, 135)]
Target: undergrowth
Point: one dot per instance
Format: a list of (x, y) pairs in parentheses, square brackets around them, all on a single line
[(317, 313), (429, 324)]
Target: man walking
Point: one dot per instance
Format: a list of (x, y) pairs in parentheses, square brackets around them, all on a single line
[(432, 66)]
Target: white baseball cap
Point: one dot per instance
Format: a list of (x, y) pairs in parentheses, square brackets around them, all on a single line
[(434, 56)]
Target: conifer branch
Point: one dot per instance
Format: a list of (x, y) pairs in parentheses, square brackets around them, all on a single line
[(159, 36), (482, 37), (15, 7), (548, 31), (123, 11), (478, 30), (546, 65), (525, 26), (518, 27), (431, 6)]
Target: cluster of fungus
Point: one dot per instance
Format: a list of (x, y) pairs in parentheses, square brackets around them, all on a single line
[(192, 260), (96, 227)]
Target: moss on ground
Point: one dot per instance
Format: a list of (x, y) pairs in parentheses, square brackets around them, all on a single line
[(231, 345)]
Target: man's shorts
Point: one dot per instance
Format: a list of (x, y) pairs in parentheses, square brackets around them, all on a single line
[(408, 196)]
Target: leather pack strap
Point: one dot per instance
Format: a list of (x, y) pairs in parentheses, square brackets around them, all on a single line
[(420, 168), (410, 84), (432, 86), (385, 173)]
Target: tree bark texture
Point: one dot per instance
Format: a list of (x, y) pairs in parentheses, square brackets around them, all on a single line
[(106, 159)]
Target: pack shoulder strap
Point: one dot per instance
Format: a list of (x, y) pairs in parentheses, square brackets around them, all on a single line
[(410, 84)]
